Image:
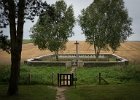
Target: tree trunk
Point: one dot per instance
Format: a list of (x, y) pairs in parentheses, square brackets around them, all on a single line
[(56, 55), (97, 56), (16, 44), (97, 52), (15, 69)]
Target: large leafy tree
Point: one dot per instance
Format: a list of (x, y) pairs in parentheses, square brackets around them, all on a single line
[(105, 24), (14, 13), (52, 32)]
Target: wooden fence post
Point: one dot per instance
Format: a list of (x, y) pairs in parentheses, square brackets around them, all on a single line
[(71, 79), (29, 77), (99, 78), (58, 76), (52, 78)]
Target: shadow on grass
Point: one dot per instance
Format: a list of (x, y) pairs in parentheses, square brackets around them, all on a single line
[(105, 92), (29, 92)]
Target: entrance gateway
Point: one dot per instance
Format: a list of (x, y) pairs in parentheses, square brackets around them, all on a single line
[(68, 79), (65, 79)]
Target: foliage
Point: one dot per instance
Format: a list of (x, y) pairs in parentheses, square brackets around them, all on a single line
[(4, 74), (4, 43), (30, 92), (14, 13), (52, 32), (32, 8), (105, 24)]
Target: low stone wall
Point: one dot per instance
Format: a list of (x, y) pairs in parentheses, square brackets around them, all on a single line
[(103, 64), (81, 63), (46, 63), (120, 61)]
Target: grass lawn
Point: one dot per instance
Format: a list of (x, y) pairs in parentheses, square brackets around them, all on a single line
[(104, 92), (29, 92)]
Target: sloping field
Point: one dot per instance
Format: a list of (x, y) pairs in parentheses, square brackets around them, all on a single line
[(129, 50)]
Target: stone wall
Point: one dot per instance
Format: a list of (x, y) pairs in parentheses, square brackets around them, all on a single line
[(72, 61)]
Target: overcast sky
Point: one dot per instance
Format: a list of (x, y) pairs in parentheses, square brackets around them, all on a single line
[(133, 11)]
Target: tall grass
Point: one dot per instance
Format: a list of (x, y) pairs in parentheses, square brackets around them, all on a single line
[(85, 76), (34, 75), (41, 74), (4, 73), (113, 75)]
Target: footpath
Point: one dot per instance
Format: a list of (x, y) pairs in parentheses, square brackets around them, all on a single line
[(60, 90)]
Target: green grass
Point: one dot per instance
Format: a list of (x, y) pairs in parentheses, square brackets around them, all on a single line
[(48, 75), (124, 83), (114, 75), (29, 92), (104, 92), (39, 74)]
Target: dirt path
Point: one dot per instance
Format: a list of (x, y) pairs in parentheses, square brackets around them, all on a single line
[(60, 90), (60, 93), (73, 70)]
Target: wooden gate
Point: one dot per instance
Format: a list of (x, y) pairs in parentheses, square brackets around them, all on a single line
[(65, 79)]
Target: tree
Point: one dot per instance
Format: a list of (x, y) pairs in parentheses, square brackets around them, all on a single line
[(4, 43), (105, 24), (52, 32), (14, 13)]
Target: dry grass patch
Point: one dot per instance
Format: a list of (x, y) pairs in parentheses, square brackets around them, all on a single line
[(129, 50)]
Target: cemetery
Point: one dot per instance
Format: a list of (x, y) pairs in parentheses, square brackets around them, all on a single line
[(83, 60), (79, 60), (68, 50)]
